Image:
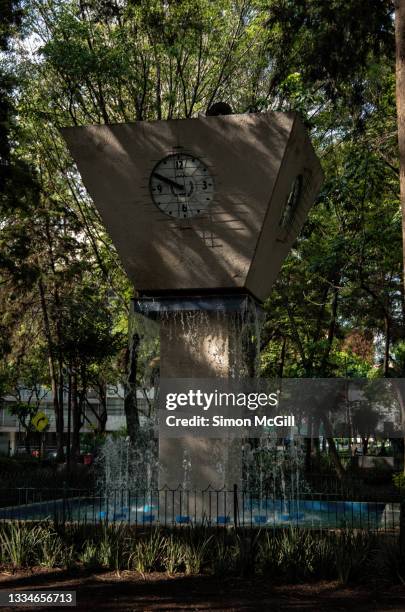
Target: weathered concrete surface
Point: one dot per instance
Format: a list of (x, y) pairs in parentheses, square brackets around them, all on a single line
[(207, 347), (238, 242)]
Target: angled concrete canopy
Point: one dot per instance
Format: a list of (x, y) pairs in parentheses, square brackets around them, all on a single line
[(240, 241)]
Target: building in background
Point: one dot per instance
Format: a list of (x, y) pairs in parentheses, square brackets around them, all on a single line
[(12, 434)]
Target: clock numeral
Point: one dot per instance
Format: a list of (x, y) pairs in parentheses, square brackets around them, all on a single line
[(179, 163), (204, 185), (184, 208)]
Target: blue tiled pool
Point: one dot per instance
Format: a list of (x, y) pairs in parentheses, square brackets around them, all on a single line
[(259, 513)]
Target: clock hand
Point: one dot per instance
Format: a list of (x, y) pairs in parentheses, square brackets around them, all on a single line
[(164, 179)]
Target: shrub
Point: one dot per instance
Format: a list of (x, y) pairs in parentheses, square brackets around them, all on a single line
[(53, 551), (324, 557), (19, 543), (112, 546), (195, 554), (90, 555), (388, 562), (296, 554), (173, 555), (399, 481), (291, 554), (146, 556), (268, 559), (223, 557), (246, 551), (352, 550)]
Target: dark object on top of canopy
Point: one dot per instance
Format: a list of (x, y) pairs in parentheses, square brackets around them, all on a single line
[(219, 108)]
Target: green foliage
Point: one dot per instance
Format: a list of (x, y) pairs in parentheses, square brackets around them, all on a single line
[(173, 555), (146, 555), (290, 554), (285, 555), (399, 481), (195, 552), (223, 558), (323, 562), (332, 43), (336, 309), (387, 562), (89, 556), (52, 551), (245, 553), (112, 546), (163, 61), (20, 543), (352, 551), (296, 554), (18, 471)]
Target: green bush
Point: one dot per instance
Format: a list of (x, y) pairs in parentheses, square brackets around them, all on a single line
[(89, 556), (296, 554), (246, 551), (19, 543), (195, 553), (324, 557), (147, 553), (53, 551), (113, 546), (31, 472), (399, 481), (352, 550), (224, 557), (388, 563), (173, 555)]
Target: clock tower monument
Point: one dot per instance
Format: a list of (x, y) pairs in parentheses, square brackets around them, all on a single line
[(202, 213)]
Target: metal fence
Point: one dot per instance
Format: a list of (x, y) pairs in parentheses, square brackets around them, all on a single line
[(222, 508)]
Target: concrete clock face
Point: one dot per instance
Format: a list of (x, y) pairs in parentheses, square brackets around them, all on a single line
[(292, 202), (181, 186)]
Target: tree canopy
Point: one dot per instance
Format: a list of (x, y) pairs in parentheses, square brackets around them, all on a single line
[(338, 306)]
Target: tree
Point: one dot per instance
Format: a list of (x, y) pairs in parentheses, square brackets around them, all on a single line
[(400, 100), (103, 62), (90, 342)]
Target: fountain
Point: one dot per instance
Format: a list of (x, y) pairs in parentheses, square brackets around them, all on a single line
[(273, 478), (202, 213)]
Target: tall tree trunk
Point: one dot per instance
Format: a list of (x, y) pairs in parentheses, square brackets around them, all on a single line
[(53, 373), (282, 358), (57, 348), (130, 400), (60, 425), (400, 99), (387, 333), (75, 450), (27, 442), (340, 471), (69, 416), (103, 414), (399, 386)]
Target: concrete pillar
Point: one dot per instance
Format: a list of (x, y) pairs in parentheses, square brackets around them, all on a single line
[(203, 344)]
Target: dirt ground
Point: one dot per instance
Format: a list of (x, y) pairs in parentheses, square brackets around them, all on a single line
[(107, 591)]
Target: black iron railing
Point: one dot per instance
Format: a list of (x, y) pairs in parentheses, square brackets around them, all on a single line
[(222, 508)]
